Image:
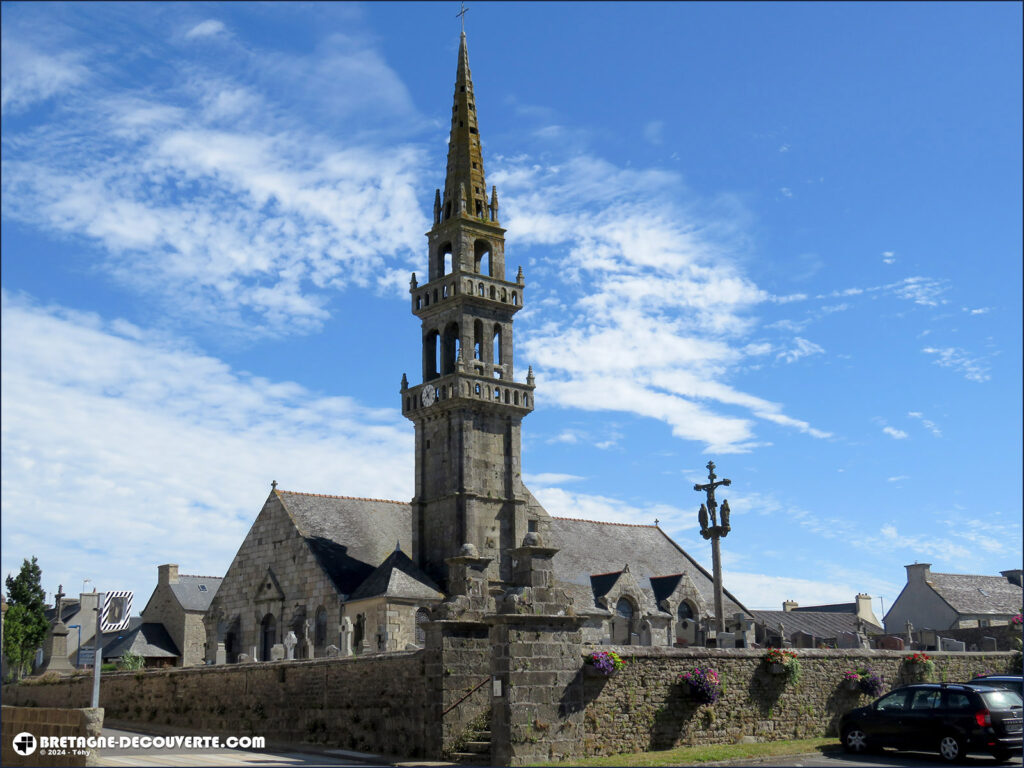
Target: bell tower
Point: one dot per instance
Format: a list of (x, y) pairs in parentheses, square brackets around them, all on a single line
[(468, 408)]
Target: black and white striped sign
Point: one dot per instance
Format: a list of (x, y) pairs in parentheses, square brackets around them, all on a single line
[(117, 608)]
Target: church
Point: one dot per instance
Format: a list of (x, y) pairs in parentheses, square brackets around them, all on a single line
[(336, 575)]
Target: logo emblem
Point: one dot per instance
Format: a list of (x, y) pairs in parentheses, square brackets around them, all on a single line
[(25, 744)]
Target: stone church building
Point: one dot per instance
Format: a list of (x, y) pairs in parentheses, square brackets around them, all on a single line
[(323, 574)]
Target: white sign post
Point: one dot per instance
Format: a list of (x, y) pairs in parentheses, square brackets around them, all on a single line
[(98, 648)]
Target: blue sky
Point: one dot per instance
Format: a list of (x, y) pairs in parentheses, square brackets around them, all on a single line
[(785, 237)]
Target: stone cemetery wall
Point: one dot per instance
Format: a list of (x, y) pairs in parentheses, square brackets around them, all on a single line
[(643, 708), (47, 721), (975, 636), (370, 704)]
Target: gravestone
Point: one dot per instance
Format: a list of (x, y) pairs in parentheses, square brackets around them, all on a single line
[(364, 647), (244, 658), (847, 640), (634, 639), (332, 651), (929, 638), (746, 634), (290, 641), (803, 639), (221, 655), (949, 644), (891, 643), (345, 639), (276, 652), (989, 644), (726, 639), (254, 655), (645, 632)]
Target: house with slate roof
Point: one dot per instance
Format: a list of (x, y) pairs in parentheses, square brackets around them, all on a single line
[(149, 640), (823, 623), (363, 574), (176, 610), (954, 600)]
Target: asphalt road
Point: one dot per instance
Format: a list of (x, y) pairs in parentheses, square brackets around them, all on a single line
[(886, 759)]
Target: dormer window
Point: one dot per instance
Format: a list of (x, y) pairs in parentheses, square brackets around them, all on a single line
[(202, 587)]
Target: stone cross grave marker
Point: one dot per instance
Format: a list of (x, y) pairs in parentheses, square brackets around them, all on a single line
[(290, 641)]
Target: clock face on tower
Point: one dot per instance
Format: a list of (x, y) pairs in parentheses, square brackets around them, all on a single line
[(428, 396)]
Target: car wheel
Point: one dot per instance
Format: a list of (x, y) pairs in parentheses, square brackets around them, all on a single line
[(951, 749), (855, 741)]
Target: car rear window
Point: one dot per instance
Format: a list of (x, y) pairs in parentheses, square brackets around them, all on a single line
[(1002, 699)]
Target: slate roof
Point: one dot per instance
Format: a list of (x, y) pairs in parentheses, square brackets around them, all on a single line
[(398, 576), (969, 594), (349, 536), (589, 548), (823, 624), (68, 610), (189, 594), (834, 608), (149, 640)]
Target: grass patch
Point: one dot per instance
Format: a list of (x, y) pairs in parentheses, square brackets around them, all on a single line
[(709, 754)]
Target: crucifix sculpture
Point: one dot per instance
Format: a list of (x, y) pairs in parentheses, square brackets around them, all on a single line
[(710, 529), (58, 600)]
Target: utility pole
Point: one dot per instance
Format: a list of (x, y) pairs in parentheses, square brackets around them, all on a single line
[(715, 532)]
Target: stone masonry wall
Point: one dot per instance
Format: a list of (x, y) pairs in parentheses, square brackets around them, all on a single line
[(643, 708), (49, 722), (372, 704)]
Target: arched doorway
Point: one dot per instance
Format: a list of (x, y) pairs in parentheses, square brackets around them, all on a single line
[(268, 636)]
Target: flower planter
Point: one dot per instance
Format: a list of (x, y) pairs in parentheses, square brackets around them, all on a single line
[(777, 669), (589, 670), (851, 685)]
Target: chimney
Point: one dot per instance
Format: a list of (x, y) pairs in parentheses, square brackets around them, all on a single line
[(789, 605), (864, 608), (1014, 576), (167, 574), (918, 572)]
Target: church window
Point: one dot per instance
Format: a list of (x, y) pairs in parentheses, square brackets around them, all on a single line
[(515, 398), (474, 165), (460, 125), (435, 295), (478, 390), (624, 608), (506, 397), (463, 89), (494, 292), (421, 633), (526, 401), (426, 299), (482, 257), (358, 631), (685, 611), (504, 295), (531, 526), (497, 394), (419, 302), (480, 289), (431, 355), (320, 628), (515, 299), (478, 340), (497, 353), (444, 291), (444, 259), (472, 129), (449, 348)]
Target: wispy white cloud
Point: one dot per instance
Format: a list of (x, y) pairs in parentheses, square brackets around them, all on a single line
[(895, 434), (801, 348), (208, 28), (888, 257), (897, 478), (29, 75), (785, 191), (654, 132), (973, 369), (550, 478), (928, 424), (109, 427), (208, 198), (655, 312)]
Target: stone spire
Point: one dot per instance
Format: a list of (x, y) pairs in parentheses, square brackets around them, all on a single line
[(465, 160)]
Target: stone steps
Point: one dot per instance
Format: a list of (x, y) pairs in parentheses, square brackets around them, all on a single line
[(476, 752)]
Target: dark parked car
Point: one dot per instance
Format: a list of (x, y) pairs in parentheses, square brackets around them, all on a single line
[(1009, 682), (950, 718)]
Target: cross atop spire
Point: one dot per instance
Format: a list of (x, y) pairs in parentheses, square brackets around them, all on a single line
[(462, 16)]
